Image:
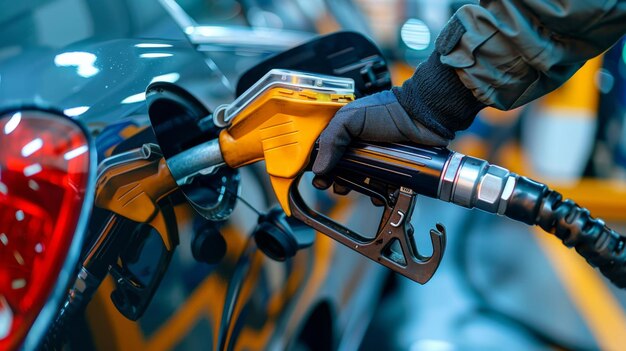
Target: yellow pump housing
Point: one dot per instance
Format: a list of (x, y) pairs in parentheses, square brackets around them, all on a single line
[(281, 127)]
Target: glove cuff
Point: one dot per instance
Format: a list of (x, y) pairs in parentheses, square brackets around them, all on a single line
[(436, 97)]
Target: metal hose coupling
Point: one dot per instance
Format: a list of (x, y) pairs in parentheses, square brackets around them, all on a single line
[(474, 183)]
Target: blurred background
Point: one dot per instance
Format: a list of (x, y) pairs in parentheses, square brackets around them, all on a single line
[(501, 285)]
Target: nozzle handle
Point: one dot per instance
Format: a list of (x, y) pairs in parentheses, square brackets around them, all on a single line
[(414, 166)]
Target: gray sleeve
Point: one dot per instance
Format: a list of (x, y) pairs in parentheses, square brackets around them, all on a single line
[(510, 52)]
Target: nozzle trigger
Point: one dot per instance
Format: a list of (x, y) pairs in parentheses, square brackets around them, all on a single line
[(394, 244)]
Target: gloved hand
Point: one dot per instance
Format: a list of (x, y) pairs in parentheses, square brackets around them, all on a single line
[(428, 109), (377, 117)]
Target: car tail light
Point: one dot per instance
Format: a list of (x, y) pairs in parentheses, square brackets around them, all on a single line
[(45, 181)]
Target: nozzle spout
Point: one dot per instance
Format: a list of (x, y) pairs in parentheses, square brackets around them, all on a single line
[(203, 158)]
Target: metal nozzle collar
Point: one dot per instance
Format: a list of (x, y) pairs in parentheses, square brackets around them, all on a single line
[(471, 182)]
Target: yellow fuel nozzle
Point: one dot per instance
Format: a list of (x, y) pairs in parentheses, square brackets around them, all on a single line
[(280, 126), (278, 120)]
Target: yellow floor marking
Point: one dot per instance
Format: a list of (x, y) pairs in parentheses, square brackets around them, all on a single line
[(111, 330), (202, 302), (589, 293), (209, 294), (205, 301)]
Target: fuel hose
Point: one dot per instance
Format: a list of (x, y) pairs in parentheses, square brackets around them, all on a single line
[(474, 183), (535, 204), (471, 182)]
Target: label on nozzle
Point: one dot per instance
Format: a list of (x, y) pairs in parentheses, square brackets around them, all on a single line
[(282, 78)]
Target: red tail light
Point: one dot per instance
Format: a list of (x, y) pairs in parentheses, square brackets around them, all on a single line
[(44, 175)]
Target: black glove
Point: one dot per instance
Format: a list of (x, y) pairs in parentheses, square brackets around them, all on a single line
[(378, 117), (428, 109)]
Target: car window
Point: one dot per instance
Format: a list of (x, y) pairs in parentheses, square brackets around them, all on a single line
[(300, 15), (215, 12)]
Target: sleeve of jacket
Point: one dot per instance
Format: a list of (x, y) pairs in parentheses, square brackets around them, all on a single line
[(509, 52)]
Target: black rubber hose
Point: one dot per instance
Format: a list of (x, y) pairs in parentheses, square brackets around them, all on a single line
[(536, 204), (97, 261), (57, 337)]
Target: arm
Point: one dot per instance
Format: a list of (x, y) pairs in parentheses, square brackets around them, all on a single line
[(507, 53)]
